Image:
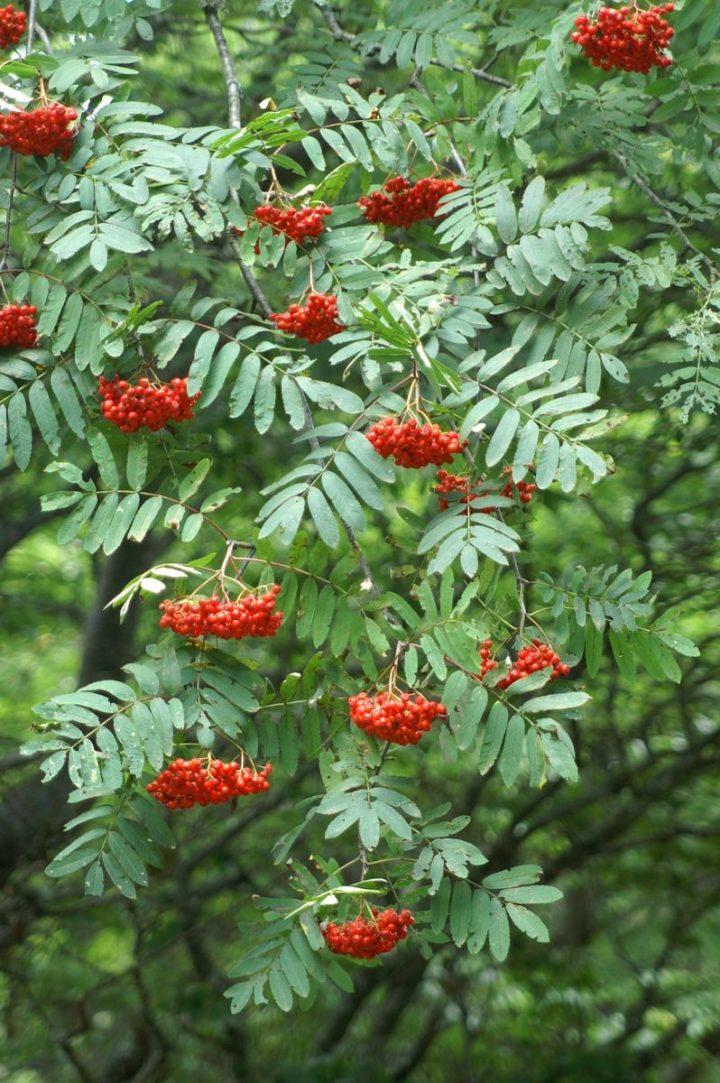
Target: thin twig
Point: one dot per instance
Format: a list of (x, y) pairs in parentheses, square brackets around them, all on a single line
[(344, 35), (250, 281), (520, 582), (234, 93), (332, 24), (5, 251), (31, 26), (234, 89), (669, 216)]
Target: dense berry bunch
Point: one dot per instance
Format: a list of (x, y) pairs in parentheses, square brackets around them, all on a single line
[(315, 321), (626, 38), (12, 26), (145, 405), (185, 783), (17, 326), (42, 131), (406, 203), (365, 939), (401, 719), (414, 445), (251, 615), (529, 660), (296, 223)]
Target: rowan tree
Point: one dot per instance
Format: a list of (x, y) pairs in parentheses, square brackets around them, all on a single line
[(341, 363)]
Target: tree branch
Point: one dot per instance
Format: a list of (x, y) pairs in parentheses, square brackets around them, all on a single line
[(234, 89), (669, 216)]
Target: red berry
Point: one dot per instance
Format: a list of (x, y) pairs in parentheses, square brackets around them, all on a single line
[(363, 939), (407, 203), (12, 26), (529, 660), (252, 614), (185, 783), (315, 322), (460, 483), (17, 325), (630, 40), (45, 130), (401, 719), (146, 405), (413, 445), (296, 223)]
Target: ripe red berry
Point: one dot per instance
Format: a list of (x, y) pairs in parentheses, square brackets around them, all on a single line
[(460, 483), (185, 783), (45, 130), (252, 614), (297, 223), (315, 321), (407, 203), (17, 326), (626, 38), (414, 445), (529, 660), (401, 719), (12, 26), (363, 939), (145, 405)]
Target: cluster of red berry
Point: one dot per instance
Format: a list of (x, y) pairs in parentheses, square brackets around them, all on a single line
[(414, 445), (185, 783), (525, 489), (42, 131), (401, 719), (363, 939), (17, 326), (406, 203), (315, 321), (626, 38), (12, 26), (145, 405), (460, 483), (296, 223), (529, 660), (251, 615), (487, 662)]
